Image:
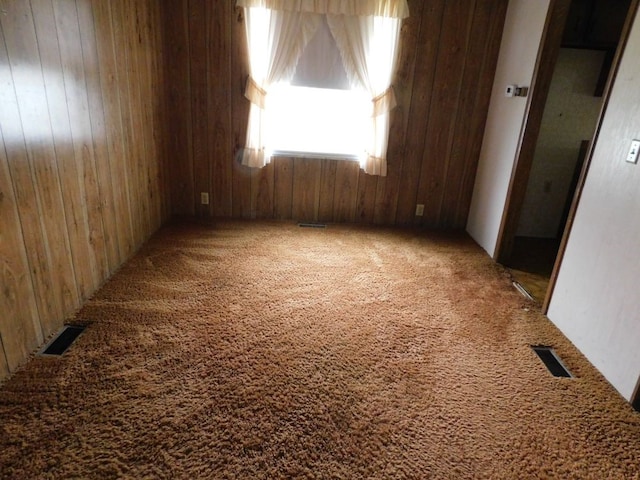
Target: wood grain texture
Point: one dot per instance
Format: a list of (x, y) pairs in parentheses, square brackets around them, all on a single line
[(220, 20), (80, 155), (306, 189), (345, 196), (427, 43), (481, 108), (443, 112), (242, 188), (31, 95), (283, 188), (19, 326), (178, 92), (443, 82), (391, 190)]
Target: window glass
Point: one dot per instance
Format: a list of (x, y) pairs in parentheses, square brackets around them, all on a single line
[(317, 121), (318, 113)]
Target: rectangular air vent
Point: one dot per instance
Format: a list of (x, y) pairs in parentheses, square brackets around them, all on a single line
[(552, 361), (312, 225), (63, 340)]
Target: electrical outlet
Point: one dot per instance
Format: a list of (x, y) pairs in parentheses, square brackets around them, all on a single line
[(419, 210), (632, 156), (204, 198)]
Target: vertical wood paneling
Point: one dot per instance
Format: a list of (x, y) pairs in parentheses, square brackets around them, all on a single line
[(344, 204), (106, 195), (114, 126), (283, 188), (30, 152), (138, 124), (466, 102), (22, 170), (198, 49), (262, 191), (400, 182), (446, 95), (19, 326), (143, 121), (306, 189), (178, 88), (478, 75), (219, 49), (327, 190), (160, 115), (80, 157), (433, 144), (94, 265), (426, 48), (367, 189), (242, 189), (121, 32)]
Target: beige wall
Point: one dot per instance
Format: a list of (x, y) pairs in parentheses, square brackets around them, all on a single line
[(518, 51), (596, 302), (570, 116)]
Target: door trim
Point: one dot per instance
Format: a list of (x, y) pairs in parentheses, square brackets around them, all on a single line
[(540, 84), (622, 45)]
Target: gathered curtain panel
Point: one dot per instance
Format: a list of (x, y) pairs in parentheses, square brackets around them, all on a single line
[(366, 34), (276, 40)]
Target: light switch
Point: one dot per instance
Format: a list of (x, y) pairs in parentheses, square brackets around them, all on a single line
[(632, 156)]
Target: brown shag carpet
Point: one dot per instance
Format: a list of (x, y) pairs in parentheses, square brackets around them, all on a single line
[(265, 351)]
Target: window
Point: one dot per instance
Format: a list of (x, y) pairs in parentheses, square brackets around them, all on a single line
[(320, 80), (318, 112), (317, 122)]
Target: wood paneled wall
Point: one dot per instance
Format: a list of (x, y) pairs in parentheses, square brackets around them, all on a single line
[(82, 114), (447, 63)]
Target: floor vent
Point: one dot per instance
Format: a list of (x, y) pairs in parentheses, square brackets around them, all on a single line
[(312, 225), (552, 362), (522, 290), (63, 340)]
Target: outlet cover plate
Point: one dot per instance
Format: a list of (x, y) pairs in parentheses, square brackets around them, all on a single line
[(632, 156)]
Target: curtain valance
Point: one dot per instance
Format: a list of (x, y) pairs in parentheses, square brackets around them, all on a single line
[(361, 8)]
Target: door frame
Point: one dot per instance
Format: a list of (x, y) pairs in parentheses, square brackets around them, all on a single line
[(538, 92)]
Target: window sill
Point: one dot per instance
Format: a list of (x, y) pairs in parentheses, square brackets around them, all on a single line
[(328, 156)]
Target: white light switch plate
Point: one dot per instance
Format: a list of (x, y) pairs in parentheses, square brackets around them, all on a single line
[(632, 156)]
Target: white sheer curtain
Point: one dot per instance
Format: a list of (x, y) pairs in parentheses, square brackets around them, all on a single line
[(276, 40), (368, 46), (366, 33)]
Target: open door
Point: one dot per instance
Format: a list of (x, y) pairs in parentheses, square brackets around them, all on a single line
[(562, 18)]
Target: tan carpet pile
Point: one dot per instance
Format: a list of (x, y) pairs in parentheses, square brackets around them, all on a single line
[(265, 350)]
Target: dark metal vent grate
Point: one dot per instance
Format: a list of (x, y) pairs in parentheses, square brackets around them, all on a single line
[(551, 361), (312, 225), (63, 340)]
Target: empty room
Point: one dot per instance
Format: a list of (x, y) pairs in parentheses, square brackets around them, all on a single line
[(262, 239)]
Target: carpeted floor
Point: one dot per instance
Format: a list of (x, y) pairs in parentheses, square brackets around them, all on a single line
[(265, 351)]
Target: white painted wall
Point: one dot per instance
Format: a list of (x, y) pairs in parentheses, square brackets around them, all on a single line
[(596, 302), (570, 116), (523, 27)]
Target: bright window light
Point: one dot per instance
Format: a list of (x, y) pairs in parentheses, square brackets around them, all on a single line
[(317, 122)]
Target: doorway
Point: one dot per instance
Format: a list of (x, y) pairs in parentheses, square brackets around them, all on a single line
[(576, 63)]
